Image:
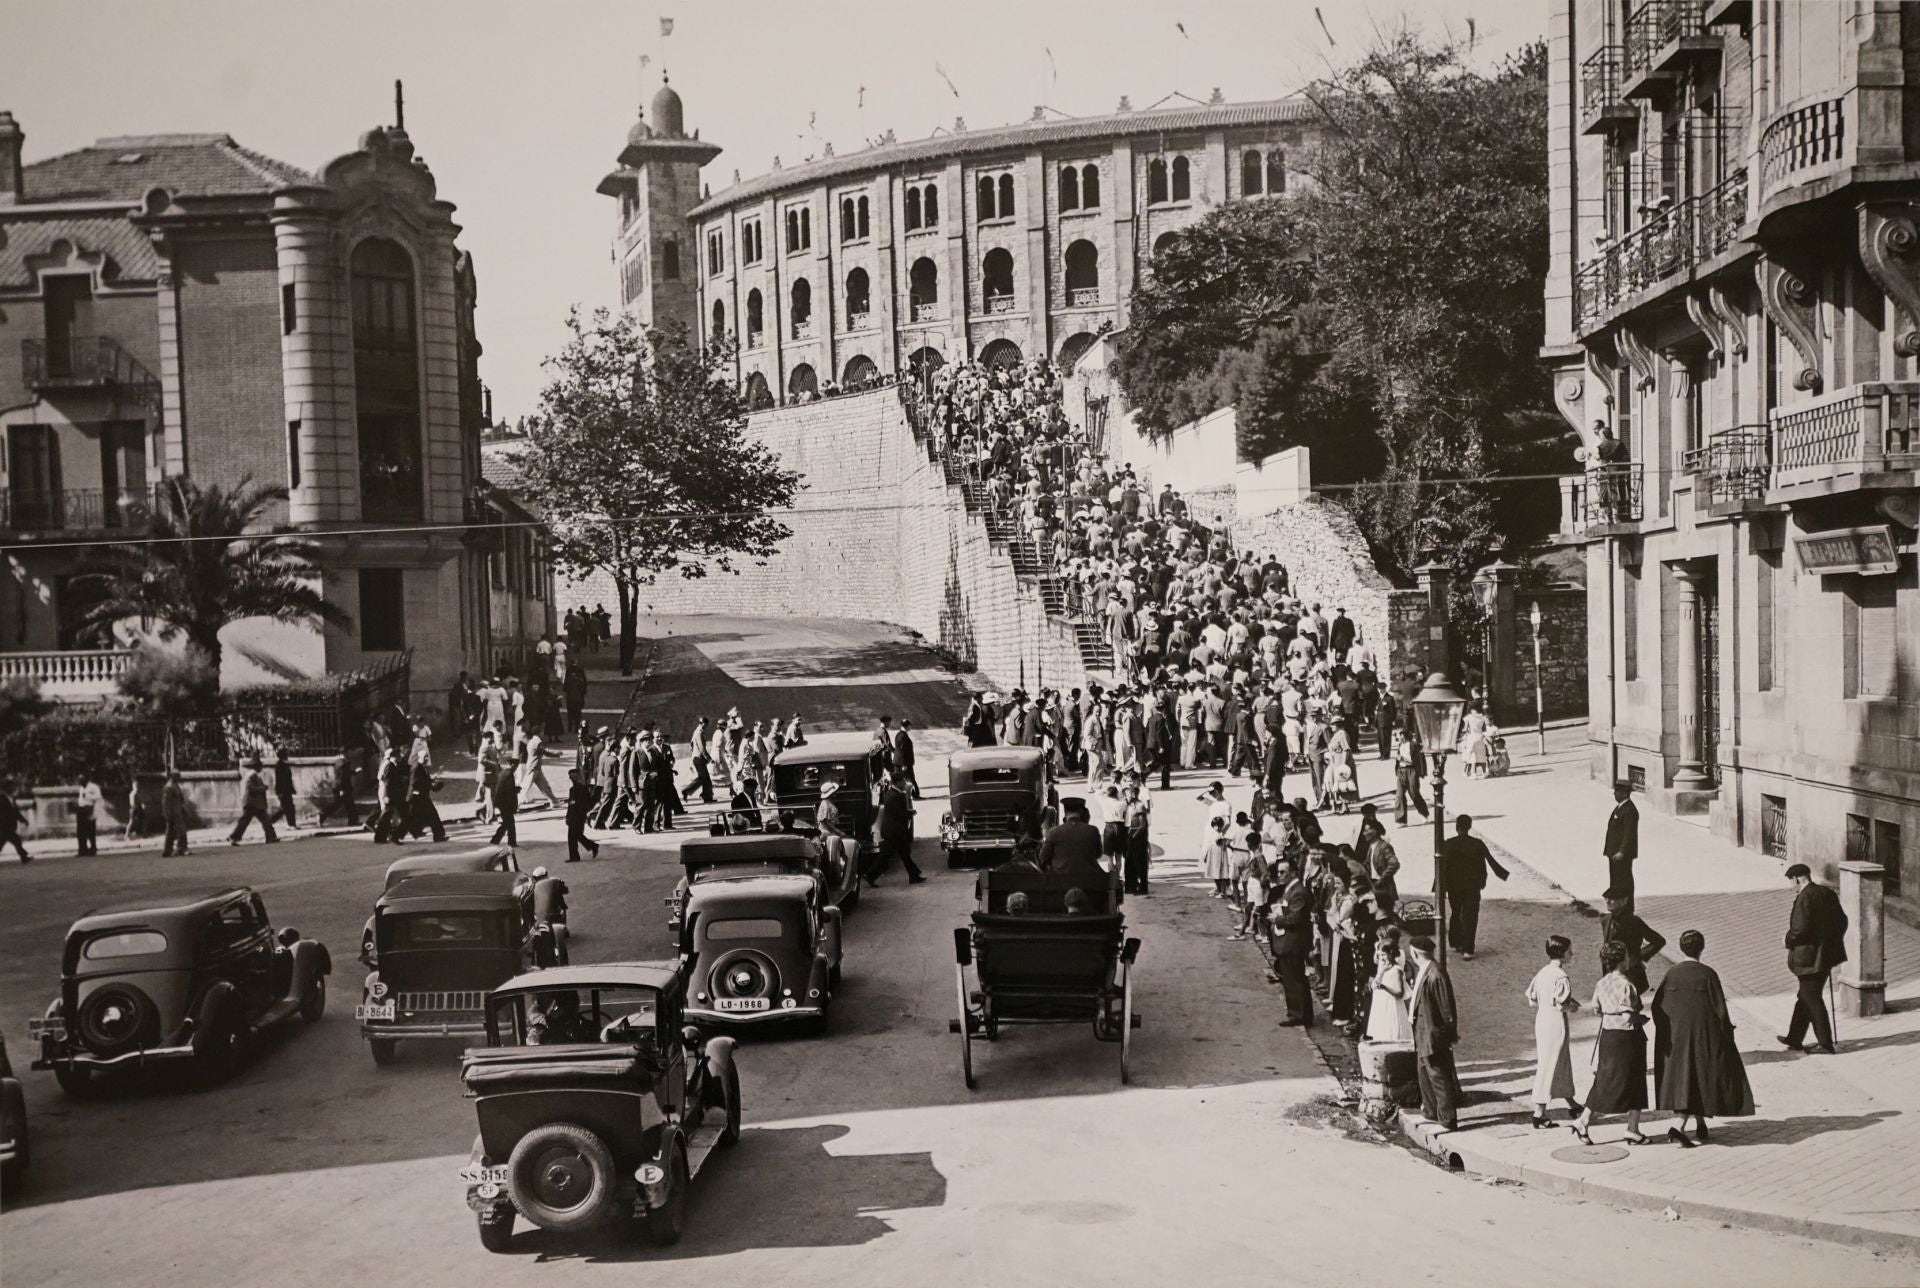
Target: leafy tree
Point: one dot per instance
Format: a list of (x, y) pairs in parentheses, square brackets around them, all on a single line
[(207, 560), (21, 703), (170, 684), (639, 457)]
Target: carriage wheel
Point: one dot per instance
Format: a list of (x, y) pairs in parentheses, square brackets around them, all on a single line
[(1126, 1026), (966, 1027)]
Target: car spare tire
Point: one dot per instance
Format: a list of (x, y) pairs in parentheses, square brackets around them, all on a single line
[(114, 1018), (561, 1177)]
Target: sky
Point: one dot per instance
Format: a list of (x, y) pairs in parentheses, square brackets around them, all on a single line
[(521, 108)]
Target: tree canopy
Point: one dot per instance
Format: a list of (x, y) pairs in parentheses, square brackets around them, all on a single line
[(640, 462)]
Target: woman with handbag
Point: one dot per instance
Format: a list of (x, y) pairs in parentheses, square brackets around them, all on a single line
[(1620, 1056)]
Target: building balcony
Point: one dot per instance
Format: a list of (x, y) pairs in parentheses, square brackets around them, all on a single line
[(1000, 304), (1606, 499), (859, 321), (1083, 297), (1602, 108), (1801, 143), (69, 675), (756, 339), (1673, 240), (1864, 435), (84, 362), (926, 312), (803, 330), (25, 511), (1730, 471), (1666, 41), (1720, 13)]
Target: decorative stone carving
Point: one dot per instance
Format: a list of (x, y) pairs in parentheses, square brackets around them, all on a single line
[(1794, 308), (1638, 356), (1569, 398), (1733, 315), (1708, 323), (1890, 250), (1681, 374), (1603, 366)]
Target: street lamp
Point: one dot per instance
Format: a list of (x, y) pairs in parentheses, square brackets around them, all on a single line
[(1438, 711), (1539, 700)]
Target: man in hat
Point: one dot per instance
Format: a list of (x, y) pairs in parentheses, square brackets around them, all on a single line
[(1290, 919), (1436, 1028), (1816, 943), (903, 757), (1464, 863), (1340, 634), (1622, 845), (579, 803), (506, 802), (896, 829), (702, 757), (253, 803)]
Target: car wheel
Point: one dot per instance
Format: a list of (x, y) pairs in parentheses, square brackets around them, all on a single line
[(219, 1059), (313, 1004), (113, 1019), (13, 1122), (561, 1177), (496, 1235), (666, 1223), (74, 1079), (730, 1088), (385, 1051)]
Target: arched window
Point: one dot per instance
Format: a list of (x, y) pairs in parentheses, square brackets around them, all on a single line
[(386, 375), (800, 305), (1006, 196), (1276, 172), (983, 198), (1161, 243), (756, 318), (759, 240), (923, 288), (759, 397), (801, 380), (863, 220), (1250, 173), (719, 331), (1069, 188), (793, 231), (933, 204), (996, 280), (1074, 349), (1156, 180), (1000, 353), (846, 219), (1083, 273), (669, 260), (857, 297), (806, 227), (1182, 187), (1089, 187), (913, 209), (860, 369), (922, 363)]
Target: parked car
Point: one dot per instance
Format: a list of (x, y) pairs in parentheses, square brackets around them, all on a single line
[(487, 858), (596, 1105), (761, 949), (737, 858), (994, 799), (15, 1149), (840, 758), (441, 941), (175, 981)]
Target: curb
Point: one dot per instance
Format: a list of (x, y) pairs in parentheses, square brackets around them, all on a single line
[(1455, 1151)]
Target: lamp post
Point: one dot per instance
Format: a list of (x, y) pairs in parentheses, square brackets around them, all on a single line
[(1438, 711), (1539, 699)]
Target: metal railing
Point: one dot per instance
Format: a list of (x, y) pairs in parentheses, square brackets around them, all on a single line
[(1672, 240), (75, 509), (1614, 494), (1731, 467), (80, 362), (1600, 78), (1655, 25), (1802, 138), (1723, 208)]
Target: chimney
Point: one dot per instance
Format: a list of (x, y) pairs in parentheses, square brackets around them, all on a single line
[(13, 183)]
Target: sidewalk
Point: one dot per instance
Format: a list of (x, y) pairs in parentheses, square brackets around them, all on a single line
[(1834, 1151)]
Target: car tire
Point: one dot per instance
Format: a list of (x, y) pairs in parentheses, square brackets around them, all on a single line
[(74, 1079), (135, 1018), (551, 1161), (497, 1235), (13, 1116), (313, 1003), (730, 1089), (385, 1050), (219, 1058), (666, 1223)]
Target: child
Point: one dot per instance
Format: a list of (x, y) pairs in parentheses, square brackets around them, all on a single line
[(1218, 859), (1253, 882)]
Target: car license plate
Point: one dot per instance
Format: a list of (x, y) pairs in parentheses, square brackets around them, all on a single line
[(373, 1011), (475, 1174), (47, 1030), (743, 1004)]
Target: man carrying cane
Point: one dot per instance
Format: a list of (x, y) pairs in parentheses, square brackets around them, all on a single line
[(1816, 943)]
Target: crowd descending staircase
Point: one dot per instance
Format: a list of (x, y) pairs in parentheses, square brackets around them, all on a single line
[(1030, 560)]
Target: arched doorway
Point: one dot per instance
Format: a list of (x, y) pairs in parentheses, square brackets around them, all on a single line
[(759, 397), (1001, 353), (922, 363), (1074, 349), (801, 380), (859, 370)]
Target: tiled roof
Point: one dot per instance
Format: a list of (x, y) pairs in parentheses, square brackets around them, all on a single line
[(1279, 111), (129, 251), (187, 165), (498, 468)]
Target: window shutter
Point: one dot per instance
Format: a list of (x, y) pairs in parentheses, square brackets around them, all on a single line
[(1879, 646), (1849, 647), (1763, 605)]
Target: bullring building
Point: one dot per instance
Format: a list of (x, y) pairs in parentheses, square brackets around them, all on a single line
[(996, 245)]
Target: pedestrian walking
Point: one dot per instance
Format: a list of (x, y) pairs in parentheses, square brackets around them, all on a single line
[(534, 772), (253, 803), (1139, 816), (173, 814), (701, 758), (1620, 1056), (12, 819), (86, 814), (1816, 943), (422, 814), (1550, 994), (1622, 845), (1436, 1029), (903, 758), (579, 803), (1464, 863), (896, 829), (1387, 1019), (389, 824), (1409, 767), (1697, 1071), (506, 804), (283, 789), (575, 687), (342, 801)]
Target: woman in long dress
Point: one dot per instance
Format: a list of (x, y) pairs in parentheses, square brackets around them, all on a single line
[(1218, 857), (1697, 1069), (1620, 1056), (1551, 997), (1476, 749), (1387, 1010)]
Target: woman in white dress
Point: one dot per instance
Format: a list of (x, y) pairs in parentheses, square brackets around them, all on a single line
[(1476, 749), (1387, 1010), (1551, 997)]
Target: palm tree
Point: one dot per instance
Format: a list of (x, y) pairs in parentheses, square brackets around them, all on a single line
[(207, 560)]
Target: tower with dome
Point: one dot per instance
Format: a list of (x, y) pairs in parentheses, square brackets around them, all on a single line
[(657, 184)]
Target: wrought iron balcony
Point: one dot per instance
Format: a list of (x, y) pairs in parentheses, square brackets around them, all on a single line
[(1672, 241), (1723, 208), (1603, 109), (1840, 438), (1665, 39), (71, 510), (82, 362), (1613, 496), (1801, 140), (1731, 470)]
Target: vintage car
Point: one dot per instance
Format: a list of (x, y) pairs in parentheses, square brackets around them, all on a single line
[(841, 758), (597, 1104), (178, 980), (486, 858), (760, 949), (994, 798), (441, 941), (15, 1150), (734, 858)]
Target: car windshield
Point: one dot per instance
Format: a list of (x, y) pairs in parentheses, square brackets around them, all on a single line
[(589, 1013), (443, 930)]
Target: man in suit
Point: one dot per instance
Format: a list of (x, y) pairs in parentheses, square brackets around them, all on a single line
[(579, 804), (1816, 943), (1071, 849), (1436, 1027), (1291, 916), (903, 758), (1622, 845), (1340, 634), (896, 829), (1464, 861)]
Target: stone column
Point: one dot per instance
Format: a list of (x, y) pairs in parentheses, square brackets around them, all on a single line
[(1435, 579), (1863, 979), (1690, 775), (1496, 586)]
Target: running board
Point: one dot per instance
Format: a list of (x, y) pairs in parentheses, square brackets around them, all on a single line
[(699, 1146)]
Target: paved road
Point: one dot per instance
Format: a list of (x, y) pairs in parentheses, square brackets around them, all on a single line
[(865, 1162)]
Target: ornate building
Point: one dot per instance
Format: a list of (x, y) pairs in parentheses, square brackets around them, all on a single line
[(991, 244), (177, 304), (1735, 293)]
